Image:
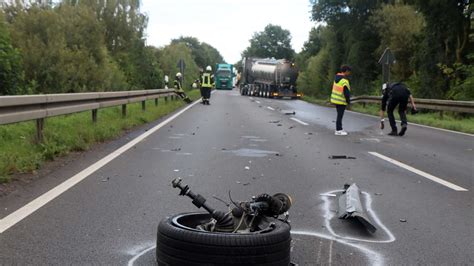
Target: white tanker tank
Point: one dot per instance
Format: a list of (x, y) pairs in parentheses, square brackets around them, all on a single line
[(269, 78)]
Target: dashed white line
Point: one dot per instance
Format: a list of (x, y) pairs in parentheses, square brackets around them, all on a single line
[(270, 108), (299, 121), (258, 102), (42, 200), (419, 172)]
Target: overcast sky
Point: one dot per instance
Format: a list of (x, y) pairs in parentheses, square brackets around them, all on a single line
[(225, 24)]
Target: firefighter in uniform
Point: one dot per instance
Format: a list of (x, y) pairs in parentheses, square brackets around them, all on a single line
[(179, 88), (396, 94), (206, 82), (341, 96), (167, 81)]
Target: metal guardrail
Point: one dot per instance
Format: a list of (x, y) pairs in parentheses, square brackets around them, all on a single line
[(431, 104), (14, 109)]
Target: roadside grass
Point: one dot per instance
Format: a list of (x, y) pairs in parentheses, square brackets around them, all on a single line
[(20, 154), (449, 120)]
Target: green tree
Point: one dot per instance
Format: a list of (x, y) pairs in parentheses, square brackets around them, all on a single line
[(273, 41), (169, 57), (445, 43), (11, 71), (318, 73), (203, 53), (399, 27), (63, 50), (355, 40), (310, 48)]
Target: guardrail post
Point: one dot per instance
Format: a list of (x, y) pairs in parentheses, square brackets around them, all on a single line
[(166, 99), (156, 102), (94, 116), (124, 110), (143, 105), (39, 130)]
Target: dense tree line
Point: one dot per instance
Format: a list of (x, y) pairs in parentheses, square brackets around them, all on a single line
[(87, 45), (432, 41)]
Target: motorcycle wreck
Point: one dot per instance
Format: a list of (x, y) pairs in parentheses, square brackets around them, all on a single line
[(254, 232)]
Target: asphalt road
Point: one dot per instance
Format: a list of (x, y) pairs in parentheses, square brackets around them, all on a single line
[(249, 146)]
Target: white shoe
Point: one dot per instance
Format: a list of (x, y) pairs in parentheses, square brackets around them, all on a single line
[(340, 133)]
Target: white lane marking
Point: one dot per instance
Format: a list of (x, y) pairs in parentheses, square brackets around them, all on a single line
[(42, 200), (258, 102), (372, 256), (419, 125), (270, 108), (419, 172), (299, 121), (329, 215), (136, 257)]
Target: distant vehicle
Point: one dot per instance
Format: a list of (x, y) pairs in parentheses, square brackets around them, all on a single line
[(224, 76), (270, 78)]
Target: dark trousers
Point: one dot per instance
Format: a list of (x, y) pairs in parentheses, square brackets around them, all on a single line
[(340, 113), (402, 103), (182, 95), (206, 93)]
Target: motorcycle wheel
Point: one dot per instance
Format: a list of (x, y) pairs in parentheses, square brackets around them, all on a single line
[(178, 243)]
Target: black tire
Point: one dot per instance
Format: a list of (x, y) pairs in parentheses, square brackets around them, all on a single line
[(178, 244)]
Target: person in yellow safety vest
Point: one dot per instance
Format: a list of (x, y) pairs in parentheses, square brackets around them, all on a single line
[(179, 88), (206, 82), (341, 96)]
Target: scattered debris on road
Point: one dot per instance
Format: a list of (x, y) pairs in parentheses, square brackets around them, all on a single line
[(176, 149), (350, 206), (333, 157), (279, 125), (403, 220), (274, 121), (328, 195), (288, 112), (247, 168)]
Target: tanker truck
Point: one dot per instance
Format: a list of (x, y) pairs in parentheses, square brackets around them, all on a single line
[(269, 78)]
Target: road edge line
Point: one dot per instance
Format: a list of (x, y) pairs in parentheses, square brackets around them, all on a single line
[(34, 205)]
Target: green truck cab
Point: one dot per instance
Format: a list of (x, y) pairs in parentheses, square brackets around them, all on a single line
[(224, 76)]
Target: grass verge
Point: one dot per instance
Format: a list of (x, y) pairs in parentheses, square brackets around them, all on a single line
[(449, 120), (76, 132)]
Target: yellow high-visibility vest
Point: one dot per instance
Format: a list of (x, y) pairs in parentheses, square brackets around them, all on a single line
[(206, 80), (337, 96)]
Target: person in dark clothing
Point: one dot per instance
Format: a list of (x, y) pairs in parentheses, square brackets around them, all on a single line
[(179, 88), (341, 96), (396, 94)]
